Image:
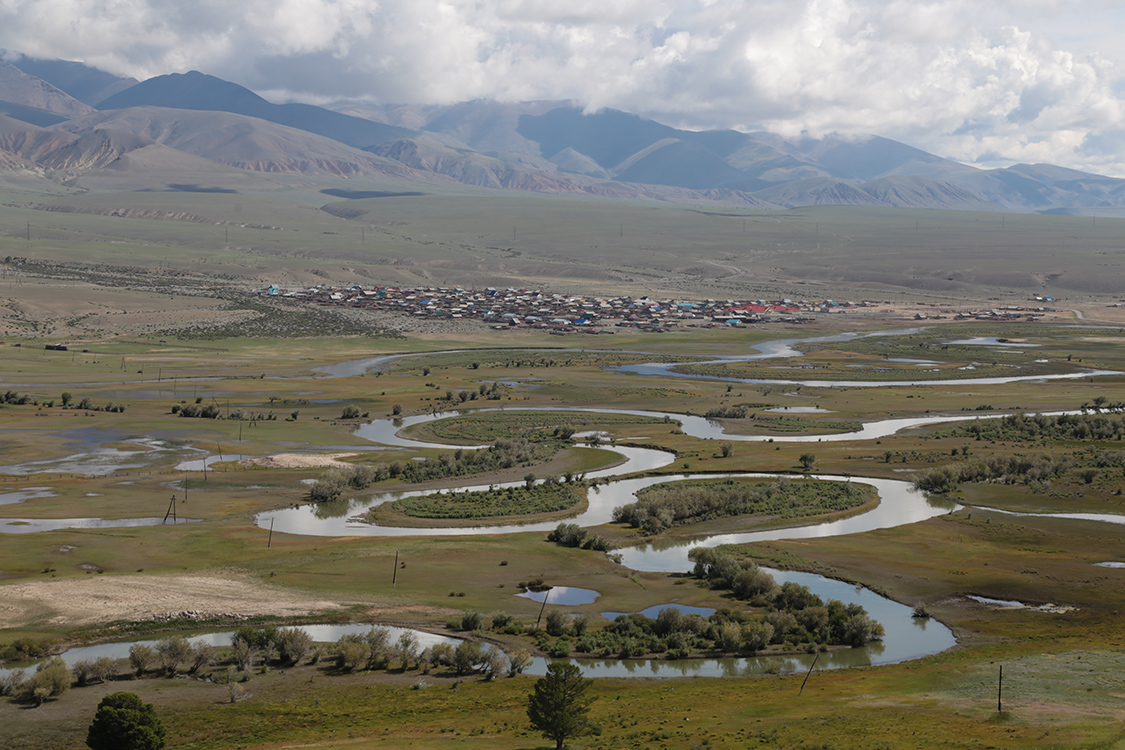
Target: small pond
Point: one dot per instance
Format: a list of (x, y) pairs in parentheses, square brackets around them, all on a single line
[(564, 596)]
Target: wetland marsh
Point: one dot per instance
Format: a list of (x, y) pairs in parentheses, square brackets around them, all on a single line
[(621, 430)]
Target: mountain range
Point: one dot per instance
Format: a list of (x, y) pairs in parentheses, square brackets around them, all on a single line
[(66, 123)]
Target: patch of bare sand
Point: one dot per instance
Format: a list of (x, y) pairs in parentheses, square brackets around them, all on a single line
[(92, 599), (297, 460)]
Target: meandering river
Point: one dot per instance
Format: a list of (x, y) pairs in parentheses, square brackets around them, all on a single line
[(906, 637)]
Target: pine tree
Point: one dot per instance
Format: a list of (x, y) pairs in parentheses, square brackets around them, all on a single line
[(124, 722), (559, 704)]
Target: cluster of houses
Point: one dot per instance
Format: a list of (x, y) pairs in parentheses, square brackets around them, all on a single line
[(1005, 312), (564, 313)]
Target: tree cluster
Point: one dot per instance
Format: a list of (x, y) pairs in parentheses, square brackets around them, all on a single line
[(546, 497), (1010, 469), (665, 505), (795, 614), (573, 535), (1024, 427)]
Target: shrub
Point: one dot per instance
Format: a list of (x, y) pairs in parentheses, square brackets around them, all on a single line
[(472, 620), (51, 679)]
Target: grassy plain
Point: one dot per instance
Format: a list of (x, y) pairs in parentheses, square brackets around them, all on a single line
[(163, 274)]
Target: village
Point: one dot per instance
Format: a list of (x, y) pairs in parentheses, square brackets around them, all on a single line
[(557, 313), (565, 313)]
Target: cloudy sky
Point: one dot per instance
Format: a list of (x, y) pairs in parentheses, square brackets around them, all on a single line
[(987, 83)]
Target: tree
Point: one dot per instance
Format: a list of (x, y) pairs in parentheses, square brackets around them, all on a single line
[(66, 398), (141, 657), (559, 704), (351, 411), (808, 461), (406, 649), (293, 644), (173, 651), (518, 662), (124, 722), (467, 657), (495, 663)]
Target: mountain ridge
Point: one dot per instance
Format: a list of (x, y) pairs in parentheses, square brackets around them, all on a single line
[(542, 146)]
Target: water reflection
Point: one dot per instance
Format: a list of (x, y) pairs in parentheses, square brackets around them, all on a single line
[(563, 596), (32, 525), (28, 493), (655, 610)]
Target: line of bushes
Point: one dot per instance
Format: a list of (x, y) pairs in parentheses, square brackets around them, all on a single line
[(504, 454)]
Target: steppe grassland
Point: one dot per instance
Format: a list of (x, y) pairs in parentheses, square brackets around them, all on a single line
[(479, 238)]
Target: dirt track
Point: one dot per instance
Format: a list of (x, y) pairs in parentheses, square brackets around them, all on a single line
[(93, 599)]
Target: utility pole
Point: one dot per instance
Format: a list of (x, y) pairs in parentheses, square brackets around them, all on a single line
[(1000, 691), (170, 512), (546, 596)]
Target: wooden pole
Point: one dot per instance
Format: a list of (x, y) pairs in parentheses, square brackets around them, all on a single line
[(394, 575), (546, 596), (170, 512), (808, 673), (269, 539), (1000, 691)]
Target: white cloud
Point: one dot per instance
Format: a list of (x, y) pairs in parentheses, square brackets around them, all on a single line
[(1010, 80)]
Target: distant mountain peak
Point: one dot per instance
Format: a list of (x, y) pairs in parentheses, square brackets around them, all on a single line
[(20, 88)]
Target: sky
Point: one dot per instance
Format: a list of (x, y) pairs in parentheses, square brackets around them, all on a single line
[(986, 83)]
